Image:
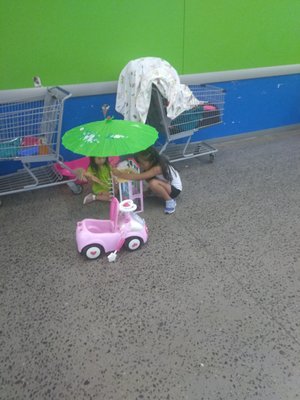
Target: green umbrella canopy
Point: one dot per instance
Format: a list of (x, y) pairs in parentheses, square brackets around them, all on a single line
[(109, 137)]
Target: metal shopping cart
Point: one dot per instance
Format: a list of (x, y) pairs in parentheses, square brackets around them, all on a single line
[(30, 132), (197, 117)]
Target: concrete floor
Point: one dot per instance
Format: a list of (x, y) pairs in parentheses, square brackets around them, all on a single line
[(208, 309)]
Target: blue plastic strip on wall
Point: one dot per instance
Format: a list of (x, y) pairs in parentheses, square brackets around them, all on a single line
[(250, 105)]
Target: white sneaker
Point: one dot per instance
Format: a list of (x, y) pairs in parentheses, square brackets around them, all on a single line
[(170, 206), (89, 198)]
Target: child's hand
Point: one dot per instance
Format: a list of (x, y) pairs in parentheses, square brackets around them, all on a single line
[(95, 179), (80, 174), (119, 174)]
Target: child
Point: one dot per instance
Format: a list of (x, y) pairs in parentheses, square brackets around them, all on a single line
[(162, 178), (98, 173)]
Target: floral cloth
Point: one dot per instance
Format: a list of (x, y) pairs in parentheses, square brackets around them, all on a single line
[(135, 86)]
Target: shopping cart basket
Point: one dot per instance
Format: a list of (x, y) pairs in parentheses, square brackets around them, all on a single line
[(30, 132), (197, 117)]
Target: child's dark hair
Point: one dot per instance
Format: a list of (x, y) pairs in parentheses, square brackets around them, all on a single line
[(154, 158), (94, 166)]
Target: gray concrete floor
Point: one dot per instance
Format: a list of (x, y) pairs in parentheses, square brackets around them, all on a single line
[(208, 309)]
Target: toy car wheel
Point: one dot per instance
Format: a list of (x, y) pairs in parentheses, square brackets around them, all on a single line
[(92, 251), (133, 243)]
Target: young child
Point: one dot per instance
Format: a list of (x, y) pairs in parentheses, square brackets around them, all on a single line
[(98, 173), (162, 177)]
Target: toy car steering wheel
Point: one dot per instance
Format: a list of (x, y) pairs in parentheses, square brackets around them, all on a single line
[(127, 206)]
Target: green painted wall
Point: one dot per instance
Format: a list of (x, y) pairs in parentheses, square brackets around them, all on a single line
[(225, 35), (79, 41)]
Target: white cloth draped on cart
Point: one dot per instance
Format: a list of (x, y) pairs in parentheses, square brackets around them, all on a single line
[(135, 86)]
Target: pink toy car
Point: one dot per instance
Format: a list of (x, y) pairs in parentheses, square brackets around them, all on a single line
[(95, 237)]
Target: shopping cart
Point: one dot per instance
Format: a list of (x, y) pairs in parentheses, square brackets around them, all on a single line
[(200, 115), (30, 132)]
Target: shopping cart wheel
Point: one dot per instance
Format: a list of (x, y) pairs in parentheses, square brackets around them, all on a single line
[(92, 251), (75, 188), (78, 189), (212, 157)]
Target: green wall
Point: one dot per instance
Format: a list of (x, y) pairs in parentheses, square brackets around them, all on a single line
[(225, 35), (79, 41)]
